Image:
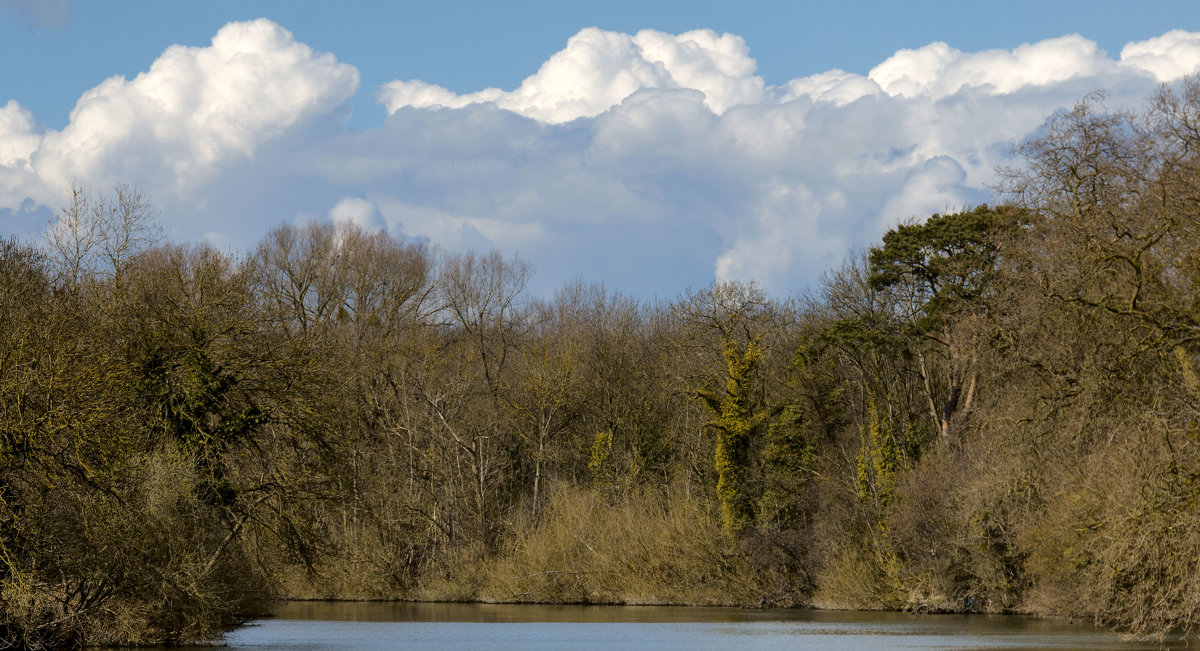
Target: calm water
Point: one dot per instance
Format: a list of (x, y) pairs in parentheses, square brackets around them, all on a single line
[(342, 625)]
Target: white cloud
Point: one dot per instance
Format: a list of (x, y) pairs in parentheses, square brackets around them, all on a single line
[(1167, 57), (18, 135), (836, 86), (599, 69), (938, 70), (649, 161), (936, 186), (458, 231), (765, 248), (19, 138), (357, 211), (197, 108)]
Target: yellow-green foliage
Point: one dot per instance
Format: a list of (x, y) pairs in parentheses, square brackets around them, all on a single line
[(877, 463), (735, 423), (1190, 379), (601, 450)]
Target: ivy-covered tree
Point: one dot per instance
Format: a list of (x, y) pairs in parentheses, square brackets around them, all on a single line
[(746, 324), (736, 419)]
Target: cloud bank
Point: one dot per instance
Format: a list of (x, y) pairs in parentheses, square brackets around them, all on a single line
[(649, 161)]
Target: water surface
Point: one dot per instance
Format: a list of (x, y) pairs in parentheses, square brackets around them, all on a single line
[(350, 625)]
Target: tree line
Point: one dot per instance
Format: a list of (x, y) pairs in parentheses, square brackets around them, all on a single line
[(990, 410)]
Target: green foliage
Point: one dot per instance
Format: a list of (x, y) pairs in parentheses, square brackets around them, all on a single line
[(944, 263), (195, 401), (788, 456)]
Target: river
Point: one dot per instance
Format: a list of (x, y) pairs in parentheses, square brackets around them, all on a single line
[(354, 625)]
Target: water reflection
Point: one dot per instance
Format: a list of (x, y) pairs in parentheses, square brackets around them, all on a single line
[(349, 625)]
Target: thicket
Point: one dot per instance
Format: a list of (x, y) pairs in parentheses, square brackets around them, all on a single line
[(991, 410)]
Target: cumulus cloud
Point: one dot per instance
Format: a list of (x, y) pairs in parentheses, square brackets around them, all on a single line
[(650, 161), (18, 135), (176, 125), (598, 69), (938, 70), (1167, 57), (836, 86), (357, 211), (786, 178), (937, 186), (19, 138)]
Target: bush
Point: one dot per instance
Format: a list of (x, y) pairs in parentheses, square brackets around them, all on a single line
[(141, 563)]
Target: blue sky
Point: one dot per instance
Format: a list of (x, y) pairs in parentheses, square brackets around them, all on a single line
[(738, 157)]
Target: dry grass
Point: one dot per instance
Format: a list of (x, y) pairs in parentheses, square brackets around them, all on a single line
[(648, 549)]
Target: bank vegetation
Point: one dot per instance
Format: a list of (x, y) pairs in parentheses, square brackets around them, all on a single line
[(992, 410)]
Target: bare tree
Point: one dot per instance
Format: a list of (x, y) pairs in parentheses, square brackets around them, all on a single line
[(96, 235)]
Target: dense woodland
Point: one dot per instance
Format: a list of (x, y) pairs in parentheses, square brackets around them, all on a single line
[(992, 410)]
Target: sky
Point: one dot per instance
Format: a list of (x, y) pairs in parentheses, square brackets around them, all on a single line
[(651, 146)]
